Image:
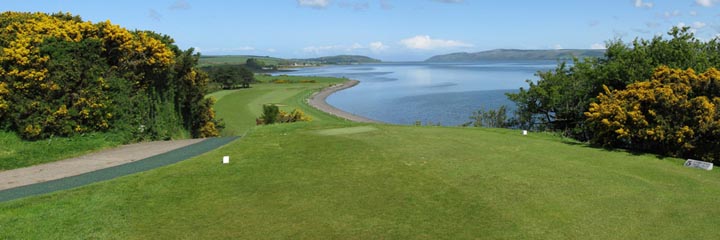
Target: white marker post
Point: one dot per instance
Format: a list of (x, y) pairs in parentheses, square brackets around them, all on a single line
[(226, 159), (698, 164), (524, 132)]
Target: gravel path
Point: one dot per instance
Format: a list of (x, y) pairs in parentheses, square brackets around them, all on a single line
[(318, 101), (88, 163)]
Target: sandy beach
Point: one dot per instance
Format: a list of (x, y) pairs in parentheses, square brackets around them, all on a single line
[(317, 100)]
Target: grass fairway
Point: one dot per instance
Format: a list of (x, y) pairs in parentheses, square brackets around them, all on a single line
[(239, 108), (334, 179)]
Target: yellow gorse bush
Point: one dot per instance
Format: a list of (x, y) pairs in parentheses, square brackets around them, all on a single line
[(52, 104), (676, 110)]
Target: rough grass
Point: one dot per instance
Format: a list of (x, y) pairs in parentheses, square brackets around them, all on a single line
[(396, 182), (18, 153)]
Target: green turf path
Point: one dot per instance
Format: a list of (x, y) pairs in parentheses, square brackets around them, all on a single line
[(116, 171)]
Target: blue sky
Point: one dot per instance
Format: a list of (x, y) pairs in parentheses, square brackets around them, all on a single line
[(392, 30)]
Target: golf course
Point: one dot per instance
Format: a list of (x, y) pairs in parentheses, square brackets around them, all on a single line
[(335, 179)]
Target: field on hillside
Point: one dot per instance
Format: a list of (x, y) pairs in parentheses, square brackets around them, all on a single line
[(331, 178), (233, 59)]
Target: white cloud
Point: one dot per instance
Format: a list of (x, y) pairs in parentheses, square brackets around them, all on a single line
[(557, 47), (424, 42), (180, 5), (450, 1), (357, 6), (385, 4), (246, 48), (319, 49), (693, 13), (378, 46), (705, 3), (682, 25), (597, 46), (272, 50), (154, 15), (641, 4), (699, 25), (668, 14), (314, 3), (356, 46)]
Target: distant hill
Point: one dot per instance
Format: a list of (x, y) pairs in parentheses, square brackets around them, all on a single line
[(341, 59), (240, 59), (279, 62), (517, 54)]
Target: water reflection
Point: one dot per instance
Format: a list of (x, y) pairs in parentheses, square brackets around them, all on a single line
[(403, 93)]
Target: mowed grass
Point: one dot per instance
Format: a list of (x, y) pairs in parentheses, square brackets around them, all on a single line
[(334, 179), (239, 108)]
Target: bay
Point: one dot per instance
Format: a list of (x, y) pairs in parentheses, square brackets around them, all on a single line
[(445, 93)]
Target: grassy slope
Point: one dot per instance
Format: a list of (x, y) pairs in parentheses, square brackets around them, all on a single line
[(16, 153), (304, 181)]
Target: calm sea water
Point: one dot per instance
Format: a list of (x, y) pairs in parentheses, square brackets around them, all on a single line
[(445, 93)]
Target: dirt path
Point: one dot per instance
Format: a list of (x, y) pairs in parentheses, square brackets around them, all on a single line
[(318, 101), (88, 163)]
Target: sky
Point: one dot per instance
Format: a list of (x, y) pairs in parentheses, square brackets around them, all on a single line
[(391, 30)]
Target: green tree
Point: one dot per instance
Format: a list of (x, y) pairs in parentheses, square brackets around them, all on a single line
[(559, 98), (231, 76), (247, 77), (254, 64)]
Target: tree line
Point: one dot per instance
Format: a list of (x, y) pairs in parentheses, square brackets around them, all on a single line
[(232, 76), (62, 76), (658, 95)]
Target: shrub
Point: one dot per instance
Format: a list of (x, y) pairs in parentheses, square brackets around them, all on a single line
[(280, 81), (61, 76), (271, 113), (676, 112)]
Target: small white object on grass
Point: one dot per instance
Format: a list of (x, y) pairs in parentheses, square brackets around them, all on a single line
[(524, 132), (226, 159), (698, 164)]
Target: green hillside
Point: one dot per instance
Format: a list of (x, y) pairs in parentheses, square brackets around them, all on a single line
[(240, 59), (516, 54), (342, 59), (330, 178)]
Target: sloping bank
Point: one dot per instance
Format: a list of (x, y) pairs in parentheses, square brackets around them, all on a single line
[(149, 163)]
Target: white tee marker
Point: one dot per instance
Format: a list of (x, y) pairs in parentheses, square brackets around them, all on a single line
[(698, 164), (226, 159)]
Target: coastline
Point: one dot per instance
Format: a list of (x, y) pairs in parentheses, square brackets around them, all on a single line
[(318, 101)]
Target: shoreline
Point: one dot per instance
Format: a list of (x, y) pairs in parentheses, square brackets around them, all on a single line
[(318, 101)]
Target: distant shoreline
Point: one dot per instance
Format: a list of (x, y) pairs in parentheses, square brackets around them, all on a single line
[(318, 100)]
